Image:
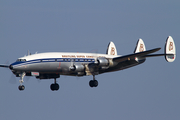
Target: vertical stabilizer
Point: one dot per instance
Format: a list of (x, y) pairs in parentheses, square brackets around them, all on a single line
[(170, 50), (111, 49), (140, 47)]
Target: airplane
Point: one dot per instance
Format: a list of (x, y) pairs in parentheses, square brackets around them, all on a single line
[(51, 65)]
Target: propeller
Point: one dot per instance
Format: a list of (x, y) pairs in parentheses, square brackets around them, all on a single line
[(6, 66), (12, 79)]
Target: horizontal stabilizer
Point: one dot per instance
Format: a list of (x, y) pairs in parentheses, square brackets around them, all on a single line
[(132, 56), (156, 55), (169, 51)]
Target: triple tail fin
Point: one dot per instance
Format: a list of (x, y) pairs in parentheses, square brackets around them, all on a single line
[(111, 49), (140, 46), (170, 50)]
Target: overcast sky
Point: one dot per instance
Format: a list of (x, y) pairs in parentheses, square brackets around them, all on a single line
[(150, 91)]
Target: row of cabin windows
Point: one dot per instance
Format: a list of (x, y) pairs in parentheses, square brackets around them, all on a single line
[(69, 60), (62, 60)]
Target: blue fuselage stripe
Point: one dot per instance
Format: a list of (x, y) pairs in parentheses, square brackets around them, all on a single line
[(74, 60)]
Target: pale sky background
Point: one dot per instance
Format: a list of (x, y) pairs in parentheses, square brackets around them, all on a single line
[(150, 91)]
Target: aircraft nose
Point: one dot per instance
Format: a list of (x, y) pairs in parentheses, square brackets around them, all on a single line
[(11, 67)]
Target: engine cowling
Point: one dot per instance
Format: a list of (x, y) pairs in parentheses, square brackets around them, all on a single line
[(103, 62), (77, 68)]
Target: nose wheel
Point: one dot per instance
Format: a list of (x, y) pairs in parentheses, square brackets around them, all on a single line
[(21, 87)]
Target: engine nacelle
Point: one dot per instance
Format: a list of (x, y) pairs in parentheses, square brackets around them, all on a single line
[(103, 62), (77, 68)]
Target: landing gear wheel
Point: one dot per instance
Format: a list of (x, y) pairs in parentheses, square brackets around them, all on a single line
[(54, 87), (93, 83), (21, 87)]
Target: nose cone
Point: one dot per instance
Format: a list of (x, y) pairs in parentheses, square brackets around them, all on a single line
[(11, 67)]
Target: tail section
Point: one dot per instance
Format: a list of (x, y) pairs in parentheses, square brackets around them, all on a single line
[(140, 47), (111, 49), (170, 50)]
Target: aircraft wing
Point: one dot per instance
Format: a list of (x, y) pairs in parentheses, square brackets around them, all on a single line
[(132, 56)]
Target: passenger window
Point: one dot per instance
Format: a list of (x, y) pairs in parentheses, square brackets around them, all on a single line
[(76, 60)]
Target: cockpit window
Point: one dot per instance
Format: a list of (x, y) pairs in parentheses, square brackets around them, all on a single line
[(21, 60)]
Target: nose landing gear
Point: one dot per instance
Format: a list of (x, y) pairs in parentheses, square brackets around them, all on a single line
[(21, 87)]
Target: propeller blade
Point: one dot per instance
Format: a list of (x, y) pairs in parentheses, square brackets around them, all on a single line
[(12, 79), (6, 66)]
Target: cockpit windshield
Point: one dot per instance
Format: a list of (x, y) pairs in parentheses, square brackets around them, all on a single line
[(21, 60)]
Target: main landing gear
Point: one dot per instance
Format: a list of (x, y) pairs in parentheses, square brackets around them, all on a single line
[(21, 87), (55, 86), (94, 82)]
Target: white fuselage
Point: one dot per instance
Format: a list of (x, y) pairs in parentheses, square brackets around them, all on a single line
[(66, 55), (59, 63)]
